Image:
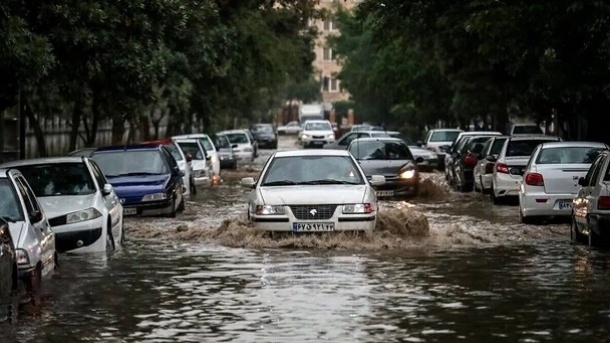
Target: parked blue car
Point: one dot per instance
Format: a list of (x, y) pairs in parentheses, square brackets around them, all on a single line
[(145, 177)]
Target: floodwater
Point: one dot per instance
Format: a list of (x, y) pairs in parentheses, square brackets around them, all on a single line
[(443, 267)]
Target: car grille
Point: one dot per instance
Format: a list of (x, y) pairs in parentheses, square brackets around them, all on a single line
[(318, 137), (305, 211)]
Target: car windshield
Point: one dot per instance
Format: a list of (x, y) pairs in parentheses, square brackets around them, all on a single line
[(222, 142), (527, 129), (568, 155), (57, 179), (134, 162), (303, 170), (444, 136), (173, 149), (497, 146), (318, 127), (191, 148), (10, 206), (238, 138), (379, 150), (523, 147)]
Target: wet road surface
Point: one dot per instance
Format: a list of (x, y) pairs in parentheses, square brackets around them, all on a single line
[(444, 267)]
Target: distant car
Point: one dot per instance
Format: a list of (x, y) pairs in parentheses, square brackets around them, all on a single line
[(209, 146), (439, 141), (183, 164), (550, 180), (9, 272), (464, 163), (82, 208), (317, 133), (265, 135), (591, 206), (511, 163), (391, 158), (344, 141), (312, 191), (242, 144), (291, 128), (225, 152), (429, 158), (145, 177), (33, 237), (453, 150), (199, 160), (483, 171), (86, 152)]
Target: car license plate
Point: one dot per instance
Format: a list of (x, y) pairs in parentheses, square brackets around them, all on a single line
[(313, 227), (130, 211), (384, 193), (565, 205)]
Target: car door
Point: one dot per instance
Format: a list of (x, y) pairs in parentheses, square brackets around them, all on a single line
[(582, 202), (7, 259), (39, 223), (111, 201), (176, 181)]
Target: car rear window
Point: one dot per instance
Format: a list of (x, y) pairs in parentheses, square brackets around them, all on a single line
[(523, 147), (497, 146), (444, 136), (527, 129), (568, 155)]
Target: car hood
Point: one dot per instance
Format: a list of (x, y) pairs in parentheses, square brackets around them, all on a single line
[(318, 132), (318, 194), (417, 151), (137, 185), (382, 167), (56, 206)]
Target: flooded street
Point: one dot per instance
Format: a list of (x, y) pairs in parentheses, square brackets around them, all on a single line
[(444, 267)]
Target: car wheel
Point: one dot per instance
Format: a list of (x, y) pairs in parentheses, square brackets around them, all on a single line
[(492, 196), (575, 236), (172, 213), (110, 245)]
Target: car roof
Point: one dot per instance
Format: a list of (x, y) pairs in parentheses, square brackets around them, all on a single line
[(129, 147), (192, 136), (5, 171), (44, 160), (186, 140), (451, 130), (373, 139), (312, 152), (234, 131), (532, 137), (480, 133), (573, 144), (317, 121)]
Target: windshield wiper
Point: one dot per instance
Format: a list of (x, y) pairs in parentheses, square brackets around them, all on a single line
[(329, 182), (280, 183)]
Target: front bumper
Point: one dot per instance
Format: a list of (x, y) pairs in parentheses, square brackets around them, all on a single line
[(397, 188), (267, 143), (202, 178), (316, 142), (149, 208), (227, 161), (506, 185), (85, 234), (244, 156), (543, 204), (342, 222)]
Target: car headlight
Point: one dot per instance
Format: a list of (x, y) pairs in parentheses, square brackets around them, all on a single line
[(304, 136), (331, 136), (82, 215), (154, 197), (22, 257), (407, 174), (223, 157), (270, 209), (358, 208)]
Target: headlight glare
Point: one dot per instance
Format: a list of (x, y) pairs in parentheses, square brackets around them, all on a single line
[(358, 208), (154, 197), (407, 174), (270, 209)]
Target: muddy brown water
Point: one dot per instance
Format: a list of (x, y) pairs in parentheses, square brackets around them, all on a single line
[(444, 267)]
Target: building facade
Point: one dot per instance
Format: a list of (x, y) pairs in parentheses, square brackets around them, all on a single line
[(325, 65)]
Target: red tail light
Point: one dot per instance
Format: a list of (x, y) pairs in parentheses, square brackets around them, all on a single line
[(603, 203), (502, 168), (489, 168), (534, 179), (470, 161)]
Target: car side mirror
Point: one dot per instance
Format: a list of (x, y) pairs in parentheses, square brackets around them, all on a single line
[(234, 146), (419, 159), (35, 216), (208, 157), (248, 182), (377, 180), (189, 157), (107, 189), (581, 181)]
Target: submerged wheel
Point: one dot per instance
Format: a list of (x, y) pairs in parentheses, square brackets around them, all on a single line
[(110, 245), (575, 236)]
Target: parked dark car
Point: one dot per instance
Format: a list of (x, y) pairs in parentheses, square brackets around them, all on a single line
[(391, 158), (464, 161), (225, 152), (265, 135), (8, 262), (145, 177)]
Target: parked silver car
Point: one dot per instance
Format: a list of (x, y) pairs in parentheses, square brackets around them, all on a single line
[(33, 237)]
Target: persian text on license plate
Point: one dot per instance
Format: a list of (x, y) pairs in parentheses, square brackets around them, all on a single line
[(384, 193), (313, 227), (130, 211), (565, 205)]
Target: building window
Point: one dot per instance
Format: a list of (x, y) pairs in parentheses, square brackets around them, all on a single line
[(329, 25), (329, 54), (334, 84)]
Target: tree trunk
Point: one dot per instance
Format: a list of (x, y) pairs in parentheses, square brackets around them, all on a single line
[(34, 123), (118, 129), (77, 113), (173, 122), (96, 111), (145, 127)]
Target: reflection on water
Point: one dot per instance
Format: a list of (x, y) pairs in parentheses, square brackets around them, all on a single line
[(167, 293)]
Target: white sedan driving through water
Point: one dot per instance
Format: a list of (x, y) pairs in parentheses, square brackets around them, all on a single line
[(313, 191)]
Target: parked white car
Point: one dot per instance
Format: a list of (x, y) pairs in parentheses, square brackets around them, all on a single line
[(178, 155), (313, 191), (486, 161), (591, 206), (316, 133), (199, 160), (81, 206), (242, 144), (291, 128), (511, 162), (32, 235), (209, 147)]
